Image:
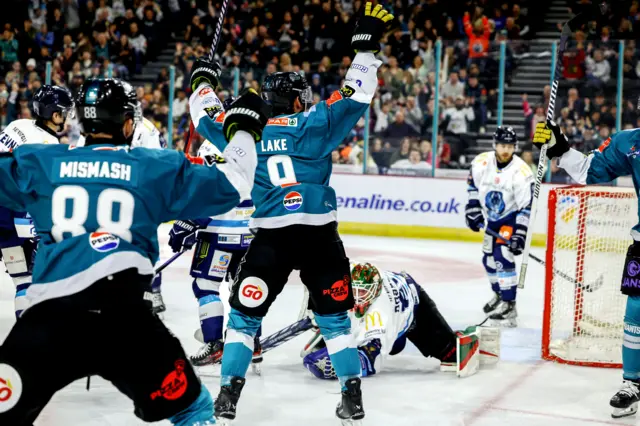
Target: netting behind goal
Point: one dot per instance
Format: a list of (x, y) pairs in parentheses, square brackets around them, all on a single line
[(588, 236)]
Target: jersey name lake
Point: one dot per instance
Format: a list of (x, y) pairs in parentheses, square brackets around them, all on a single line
[(95, 169)]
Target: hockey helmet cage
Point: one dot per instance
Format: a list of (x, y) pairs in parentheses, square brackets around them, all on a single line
[(281, 89), (49, 99), (367, 286)]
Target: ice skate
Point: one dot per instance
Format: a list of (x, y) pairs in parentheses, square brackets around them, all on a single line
[(256, 361), (505, 315), (209, 354), (350, 410), (625, 401), (492, 304), (227, 401)]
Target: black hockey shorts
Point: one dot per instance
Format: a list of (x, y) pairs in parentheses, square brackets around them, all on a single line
[(430, 332), (106, 330), (316, 251)]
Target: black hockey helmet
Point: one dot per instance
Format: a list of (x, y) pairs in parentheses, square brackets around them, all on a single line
[(49, 99), (104, 105), (281, 89), (505, 135)]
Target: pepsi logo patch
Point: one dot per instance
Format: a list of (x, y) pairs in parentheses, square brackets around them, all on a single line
[(292, 201), (103, 242)]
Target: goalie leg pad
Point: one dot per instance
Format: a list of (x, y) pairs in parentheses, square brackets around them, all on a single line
[(631, 275), (631, 340), (468, 354), (489, 345)]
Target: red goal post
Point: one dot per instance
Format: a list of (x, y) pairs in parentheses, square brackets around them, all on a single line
[(587, 238)]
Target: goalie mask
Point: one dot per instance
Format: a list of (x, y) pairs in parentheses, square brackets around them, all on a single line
[(367, 286)]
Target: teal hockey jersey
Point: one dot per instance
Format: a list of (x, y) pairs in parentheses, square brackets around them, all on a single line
[(97, 208), (294, 157), (617, 156)]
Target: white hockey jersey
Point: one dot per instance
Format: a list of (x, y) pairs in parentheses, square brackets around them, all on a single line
[(23, 131), (232, 227), (145, 135), (390, 315), (501, 192)]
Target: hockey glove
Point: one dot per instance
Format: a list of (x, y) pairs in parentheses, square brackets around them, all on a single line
[(368, 354), (516, 242), (549, 133), (183, 235), (205, 72), (249, 113), (473, 215), (370, 28)]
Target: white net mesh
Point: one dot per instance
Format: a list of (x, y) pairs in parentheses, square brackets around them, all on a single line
[(588, 237)]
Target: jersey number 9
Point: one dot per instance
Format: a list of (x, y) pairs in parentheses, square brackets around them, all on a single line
[(73, 221), (280, 168)]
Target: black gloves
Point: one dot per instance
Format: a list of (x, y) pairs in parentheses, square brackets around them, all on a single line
[(370, 28), (249, 113)]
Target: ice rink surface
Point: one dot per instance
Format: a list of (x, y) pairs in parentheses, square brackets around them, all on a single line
[(410, 390)]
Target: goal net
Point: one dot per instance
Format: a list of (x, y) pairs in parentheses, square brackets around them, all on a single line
[(587, 239)]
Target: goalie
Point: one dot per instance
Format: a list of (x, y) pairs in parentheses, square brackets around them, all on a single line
[(391, 308)]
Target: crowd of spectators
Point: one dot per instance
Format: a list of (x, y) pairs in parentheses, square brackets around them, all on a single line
[(312, 37), (80, 38)]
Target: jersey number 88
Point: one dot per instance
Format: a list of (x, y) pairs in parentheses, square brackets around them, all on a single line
[(73, 222)]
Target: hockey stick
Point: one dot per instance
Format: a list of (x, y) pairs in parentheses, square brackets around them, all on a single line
[(169, 261), (212, 52), (279, 337), (567, 30), (590, 288)]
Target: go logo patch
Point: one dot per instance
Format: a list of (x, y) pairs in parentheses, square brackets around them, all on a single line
[(10, 387), (253, 292)]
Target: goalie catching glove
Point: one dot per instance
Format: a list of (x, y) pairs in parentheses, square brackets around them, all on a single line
[(370, 28), (248, 113), (549, 133)]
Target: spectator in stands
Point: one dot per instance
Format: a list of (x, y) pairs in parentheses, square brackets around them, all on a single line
[(453, 88), (399, 128), (123, 54), (402, 153), (573, 62), (180, 104), (479, 34), (457, 118), (476, 96), (9, 49), (630, 64), (598, 70), (393, 77), (139, 43), (413, 162), (102, 47), (414, 116), (527, 157), (44, 38)]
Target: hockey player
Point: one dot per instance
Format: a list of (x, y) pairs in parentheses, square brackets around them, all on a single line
[(391, 308), (617, 156), (52, 105), (500, 185), (145, 135), (97, 209), (221, 243), (295, 220)]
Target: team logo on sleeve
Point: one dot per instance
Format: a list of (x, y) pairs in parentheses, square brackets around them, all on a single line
[(292, 201), (347, 92), (10, 387), (604, 145), (213, 111), (103, 242)]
